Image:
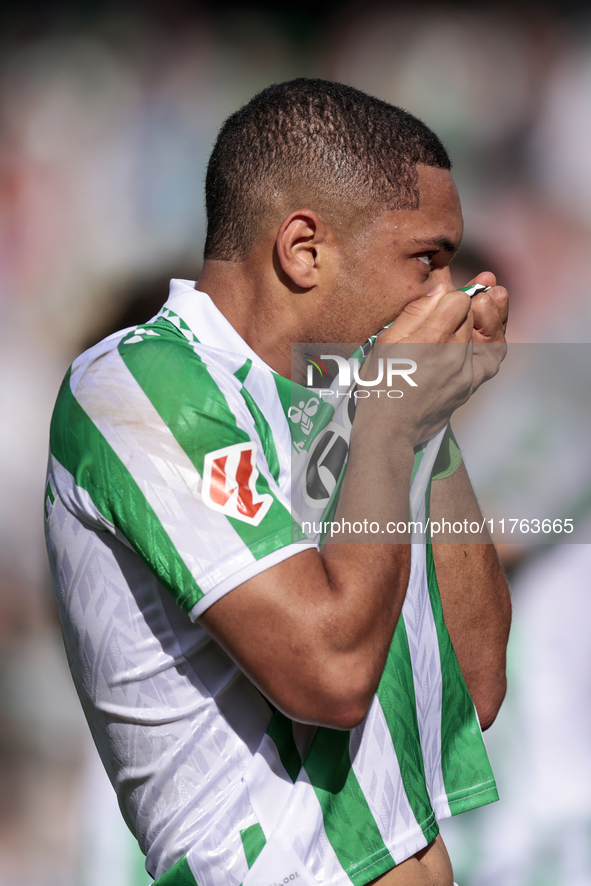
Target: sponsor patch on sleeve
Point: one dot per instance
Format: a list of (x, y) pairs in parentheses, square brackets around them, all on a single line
[(229, 483)]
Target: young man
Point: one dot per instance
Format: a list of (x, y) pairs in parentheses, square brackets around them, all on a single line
[(271, 710)]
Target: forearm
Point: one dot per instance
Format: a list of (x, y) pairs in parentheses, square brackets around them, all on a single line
[(475, 598)]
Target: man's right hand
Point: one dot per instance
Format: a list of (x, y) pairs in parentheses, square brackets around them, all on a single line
[(447, 315), (457, 343)]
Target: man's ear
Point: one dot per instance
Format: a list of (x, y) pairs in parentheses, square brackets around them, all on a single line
[(299, 245)]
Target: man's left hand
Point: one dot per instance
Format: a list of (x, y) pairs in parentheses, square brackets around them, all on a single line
[(490, 310)]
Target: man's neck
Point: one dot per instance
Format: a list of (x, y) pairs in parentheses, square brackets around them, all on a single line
[(258, 312)]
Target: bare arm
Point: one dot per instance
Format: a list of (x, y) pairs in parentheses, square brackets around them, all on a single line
[(475, 597)]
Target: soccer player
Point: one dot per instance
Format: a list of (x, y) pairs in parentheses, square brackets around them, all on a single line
[(271, 709)]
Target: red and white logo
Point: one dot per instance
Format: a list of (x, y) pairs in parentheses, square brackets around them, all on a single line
[(229, 483)]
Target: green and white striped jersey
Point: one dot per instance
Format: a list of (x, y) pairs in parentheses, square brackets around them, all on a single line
[(169, 484)]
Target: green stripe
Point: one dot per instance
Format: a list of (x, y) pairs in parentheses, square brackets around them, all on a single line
[(284, 389), (396, 694), (265, 433), (201, 420), (178, 875), (243, 371), (262, 425), (79, 446), (281, 732), (349, 824), (467, 774), (253, 841)]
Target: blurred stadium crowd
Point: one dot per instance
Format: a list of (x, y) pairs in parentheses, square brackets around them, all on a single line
[(107, 116)]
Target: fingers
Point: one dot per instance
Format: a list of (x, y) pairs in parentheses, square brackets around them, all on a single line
[(450, 321), (442, 316), (448, 315), (490, 311), (489, 323)]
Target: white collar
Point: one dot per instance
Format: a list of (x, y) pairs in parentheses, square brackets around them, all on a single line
[(207, 322)]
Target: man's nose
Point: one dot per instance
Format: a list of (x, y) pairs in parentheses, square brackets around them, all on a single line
[(442, 275)]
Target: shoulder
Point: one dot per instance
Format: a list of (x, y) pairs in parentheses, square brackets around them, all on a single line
[(154, 361)]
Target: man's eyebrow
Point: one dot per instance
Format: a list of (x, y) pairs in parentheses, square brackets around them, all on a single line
[(443, 244)]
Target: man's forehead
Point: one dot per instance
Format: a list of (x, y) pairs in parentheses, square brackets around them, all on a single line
[(437, 186), (437, 223)]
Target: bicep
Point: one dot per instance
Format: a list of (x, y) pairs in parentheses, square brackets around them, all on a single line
[(277, 626), (312, 632)]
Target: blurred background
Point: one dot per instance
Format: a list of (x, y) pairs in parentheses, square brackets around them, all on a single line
[(108, 111)]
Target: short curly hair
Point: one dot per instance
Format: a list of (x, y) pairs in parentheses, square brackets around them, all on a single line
[(315, 144)]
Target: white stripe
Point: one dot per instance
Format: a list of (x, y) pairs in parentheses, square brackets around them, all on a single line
[(218, 858), (423, 641), (426, 666), (377, 770), (302, 823), (269, 785), (288, 811), (206, 542)]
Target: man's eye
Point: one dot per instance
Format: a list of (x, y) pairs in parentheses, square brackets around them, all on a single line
[(427, 259)]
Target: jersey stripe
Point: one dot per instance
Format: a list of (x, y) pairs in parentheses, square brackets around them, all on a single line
[(396, 695), (464, 757), (243, 371), (349, 824), (253, 841), (281, 732), (426, 666), (263, 388), (262, 425), (421, 474), (284, 391), (269, 785), (378, 772), (72, 437), (179, 874), (303, 822), (264, 432)]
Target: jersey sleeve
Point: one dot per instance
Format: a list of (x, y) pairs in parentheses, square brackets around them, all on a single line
[(147, 444)]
